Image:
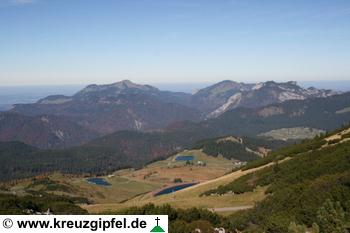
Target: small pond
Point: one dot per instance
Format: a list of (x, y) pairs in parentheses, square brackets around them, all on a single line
[(98, 181), (174, 189), (184, 158)]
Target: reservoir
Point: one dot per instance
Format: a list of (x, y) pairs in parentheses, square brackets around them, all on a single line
[(98, 181), (174, 189), (184, 158)]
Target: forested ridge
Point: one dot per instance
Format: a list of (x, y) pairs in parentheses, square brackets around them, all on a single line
[(107, 154), (300, 191)]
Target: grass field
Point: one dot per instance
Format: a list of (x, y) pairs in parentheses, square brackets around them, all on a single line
[(190, 197), (129, 183), (131, 187), (164, 172), (120, 190)]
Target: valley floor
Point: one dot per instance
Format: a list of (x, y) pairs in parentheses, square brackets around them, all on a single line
[(190, 197)]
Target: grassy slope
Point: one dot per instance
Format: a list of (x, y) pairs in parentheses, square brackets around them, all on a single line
[(129, 183), (190, 197)]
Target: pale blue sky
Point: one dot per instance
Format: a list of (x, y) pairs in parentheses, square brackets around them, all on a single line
[(152, 41)]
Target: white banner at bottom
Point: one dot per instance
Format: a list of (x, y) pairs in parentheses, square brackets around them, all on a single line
[(83, 223)]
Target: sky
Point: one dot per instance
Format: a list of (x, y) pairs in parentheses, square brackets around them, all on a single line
[(173, 41)]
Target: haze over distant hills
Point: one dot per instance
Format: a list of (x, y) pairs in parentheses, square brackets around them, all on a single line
[(212, 100), (30, 94), (99, 110), (10, 95)]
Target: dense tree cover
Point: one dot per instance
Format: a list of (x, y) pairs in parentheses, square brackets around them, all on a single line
[(298, 189), (229, 150), (331, 218), (30, 204), (124, 149), (252, 142), (121, 150)]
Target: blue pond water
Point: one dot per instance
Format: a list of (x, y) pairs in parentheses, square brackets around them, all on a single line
[(184, 158), (174, 189), (98, 181)]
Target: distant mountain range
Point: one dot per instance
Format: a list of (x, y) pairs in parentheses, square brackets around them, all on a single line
[(227, 95), (119, 106), (99, 110)]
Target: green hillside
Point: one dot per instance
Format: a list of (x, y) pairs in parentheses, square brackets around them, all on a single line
[(298, 189)]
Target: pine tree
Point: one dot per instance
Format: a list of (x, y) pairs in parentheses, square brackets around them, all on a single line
[(315, 228), (331, 218), (295, 228)]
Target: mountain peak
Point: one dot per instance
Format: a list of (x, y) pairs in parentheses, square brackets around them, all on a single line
[(228, 95), (221, 87), (116, 88), (126, 84)]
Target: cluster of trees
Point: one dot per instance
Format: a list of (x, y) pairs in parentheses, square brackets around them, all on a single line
[(46, 184), (40, 203), (229, 150), (330, 218)]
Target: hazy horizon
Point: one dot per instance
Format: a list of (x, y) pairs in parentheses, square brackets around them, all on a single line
[(191, 86), (10, 95)]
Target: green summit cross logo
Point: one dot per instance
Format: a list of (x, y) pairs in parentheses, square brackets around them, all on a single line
[(157, 228)]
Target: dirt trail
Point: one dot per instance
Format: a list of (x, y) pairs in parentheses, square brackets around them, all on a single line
[(231, 209)]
